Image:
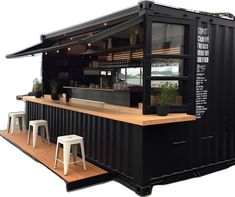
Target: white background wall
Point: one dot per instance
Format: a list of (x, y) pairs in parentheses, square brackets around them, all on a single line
[(21, 24)]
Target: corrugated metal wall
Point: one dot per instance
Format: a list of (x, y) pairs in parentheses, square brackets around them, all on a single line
[(217, 126), (181, 147), (114, 145)]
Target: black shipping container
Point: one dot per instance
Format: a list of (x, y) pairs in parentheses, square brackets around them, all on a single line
[(160, 154)]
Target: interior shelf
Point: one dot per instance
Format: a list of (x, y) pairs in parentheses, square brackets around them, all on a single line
[(103, 51)]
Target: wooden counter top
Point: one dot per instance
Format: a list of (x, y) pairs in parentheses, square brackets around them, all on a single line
[(113, 113)]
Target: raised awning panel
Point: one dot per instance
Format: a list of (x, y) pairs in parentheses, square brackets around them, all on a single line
[(52, 46), (41, 48), (113, 30), (96, 23)]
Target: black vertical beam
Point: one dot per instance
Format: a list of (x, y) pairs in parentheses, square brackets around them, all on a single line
[(191, 66), (147, 62), (216, 94), (221, 101), (232, 106), (225, 89), (43, 67), (43, 62)]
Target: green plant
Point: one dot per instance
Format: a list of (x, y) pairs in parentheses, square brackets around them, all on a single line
[(37, 85), (54, 86), (168, 93)]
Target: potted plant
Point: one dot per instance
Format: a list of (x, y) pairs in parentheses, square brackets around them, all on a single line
[(37, 88), (168, 93), (54, 90)]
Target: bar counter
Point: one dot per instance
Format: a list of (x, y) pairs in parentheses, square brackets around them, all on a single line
[(119, 113), (128, 97), (138, 149)]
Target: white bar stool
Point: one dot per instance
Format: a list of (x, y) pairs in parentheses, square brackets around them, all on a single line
[(68, 141), (37, 124), (12, 116)]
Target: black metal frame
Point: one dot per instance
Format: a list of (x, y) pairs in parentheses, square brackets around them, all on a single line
[(188, 57)]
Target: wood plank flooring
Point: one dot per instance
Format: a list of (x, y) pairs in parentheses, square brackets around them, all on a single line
[(45, 154)]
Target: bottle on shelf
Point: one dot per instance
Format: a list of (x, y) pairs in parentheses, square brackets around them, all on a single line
[(109, 43)]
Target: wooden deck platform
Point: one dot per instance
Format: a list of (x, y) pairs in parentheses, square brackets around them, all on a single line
[(45, 154)]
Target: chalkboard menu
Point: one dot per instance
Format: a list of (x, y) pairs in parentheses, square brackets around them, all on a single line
[(201, 69)]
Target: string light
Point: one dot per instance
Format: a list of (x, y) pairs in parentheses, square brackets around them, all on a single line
[(105, 24), (57, 51), (89, 44), (45, 53), (69, 49), (71, 38)]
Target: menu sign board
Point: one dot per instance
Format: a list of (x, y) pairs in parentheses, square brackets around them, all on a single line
[(201, 69)]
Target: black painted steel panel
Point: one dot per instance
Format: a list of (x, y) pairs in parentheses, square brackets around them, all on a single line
[(113, 145), (208, 144), (143, 156)]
